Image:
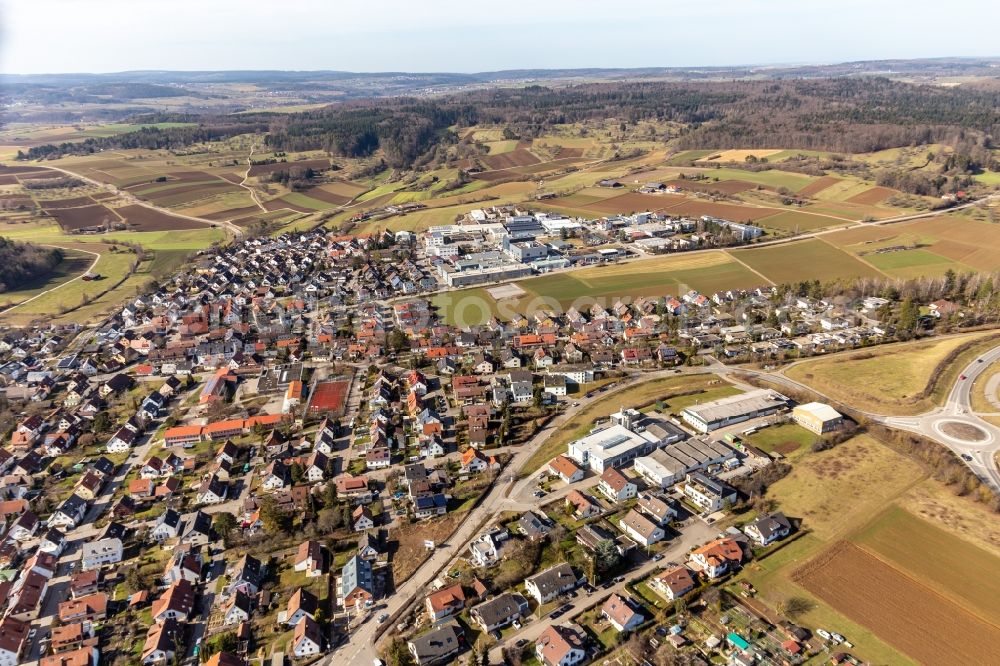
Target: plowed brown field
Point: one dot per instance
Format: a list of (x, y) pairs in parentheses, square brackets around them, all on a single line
[(908, 615)]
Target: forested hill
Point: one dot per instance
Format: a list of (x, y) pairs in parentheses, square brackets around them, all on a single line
[(850, 115), (21, 263)]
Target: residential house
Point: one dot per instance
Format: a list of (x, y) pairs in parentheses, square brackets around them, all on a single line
[(559, 645), (499, 612), (641, 529), (768, 528), (309, 558), (307, 638), (552, 582), (673, 583), (717, 557), (621, 612), (438, 646), (616, 486), (445, 603)]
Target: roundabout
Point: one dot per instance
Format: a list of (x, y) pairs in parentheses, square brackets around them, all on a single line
[(962, 431)]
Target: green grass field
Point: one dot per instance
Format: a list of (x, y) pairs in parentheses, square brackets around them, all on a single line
[(772, 177), (787, 439), (913, 263), (811, 258), (887, 379), (794, 221), (73, 264)]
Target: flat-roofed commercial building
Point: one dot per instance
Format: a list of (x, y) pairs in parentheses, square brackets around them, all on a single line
[(667, 466), (735, 409), (818, 417)]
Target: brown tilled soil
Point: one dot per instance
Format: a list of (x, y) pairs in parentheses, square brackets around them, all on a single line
[(873, 196), (71, 219), (901, 611), (65, 203), (817, 186), (263, 169), (147, 219)]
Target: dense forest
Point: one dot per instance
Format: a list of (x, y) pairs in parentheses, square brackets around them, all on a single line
[(849, 115), (20, 263)]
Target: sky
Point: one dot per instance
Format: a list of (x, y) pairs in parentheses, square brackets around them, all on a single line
[(56, 36)]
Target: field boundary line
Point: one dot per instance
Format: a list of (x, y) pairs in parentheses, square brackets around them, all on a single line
[(854, 256), (751, 269)]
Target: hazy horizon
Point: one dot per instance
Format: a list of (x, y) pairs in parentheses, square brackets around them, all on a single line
[(114, 36)]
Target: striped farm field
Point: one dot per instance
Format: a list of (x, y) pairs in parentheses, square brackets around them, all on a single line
[(812, 259)]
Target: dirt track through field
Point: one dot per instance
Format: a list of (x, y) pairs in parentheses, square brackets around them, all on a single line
[(902, 611)]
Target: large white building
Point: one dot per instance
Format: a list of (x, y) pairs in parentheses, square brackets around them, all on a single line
[(617, 444), (98, 553), (734, 409)]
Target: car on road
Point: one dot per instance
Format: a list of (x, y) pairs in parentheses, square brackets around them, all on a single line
[(619, 579), (565, 608), (556, 614), (962, 377), (657, 557), (383, 617), (966, 457)]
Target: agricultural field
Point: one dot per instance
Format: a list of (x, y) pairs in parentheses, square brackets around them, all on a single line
[(834, 493), (926, 626), (75, 262), (889, 379), (928, 553), (740, 155), (83, 217), (773, 178), (706, 271), (795, 221), (812, 258), (914, 263)]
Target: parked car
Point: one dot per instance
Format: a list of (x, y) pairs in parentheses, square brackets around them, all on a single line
[(824, 634)]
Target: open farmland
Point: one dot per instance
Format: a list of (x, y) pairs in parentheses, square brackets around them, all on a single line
[(812, 258), (724, 186), (913, 263), (731, 212), (84, 217), (632, 202), (795, 221), (73, 202), (258, 170), (875, 195), (818, 185), (142, 218), (928, 553), (740, 155), (890, 379), (707, 272), (770, 178), (921, 623)]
